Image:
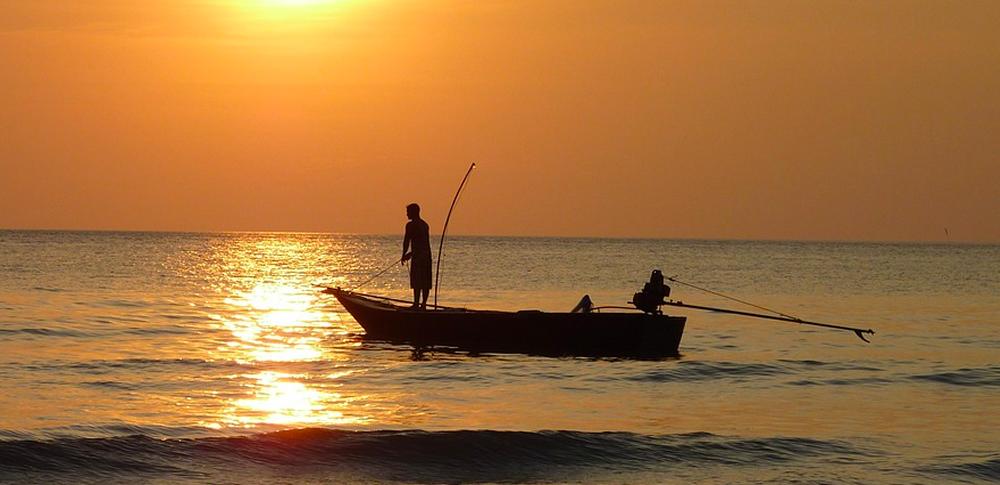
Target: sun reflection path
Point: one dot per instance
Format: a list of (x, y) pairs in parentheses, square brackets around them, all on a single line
[(281, 399), (274, 324), (277, 324)]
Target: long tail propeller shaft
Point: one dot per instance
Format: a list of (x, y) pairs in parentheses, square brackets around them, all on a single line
[(784, 317), (857, 331)]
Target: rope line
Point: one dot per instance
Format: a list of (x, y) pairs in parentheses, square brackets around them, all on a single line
[(706, 290), (380, 273)]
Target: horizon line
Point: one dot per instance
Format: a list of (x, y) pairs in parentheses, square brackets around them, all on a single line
[(512, 236)]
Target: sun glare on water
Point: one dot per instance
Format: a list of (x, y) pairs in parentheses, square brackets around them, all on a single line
[(273, 324)]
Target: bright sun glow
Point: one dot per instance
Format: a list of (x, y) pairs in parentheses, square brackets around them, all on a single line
[(294, 3), (261, 18)]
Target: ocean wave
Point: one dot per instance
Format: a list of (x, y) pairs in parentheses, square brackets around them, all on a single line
[(974, 377), (69, 333), (691, 371), (157, 330), (412, 455), (117, 385), (833, 366), (855, 381), (987, 470), (133, 364), (47, 289), (141, 365), (43, 331)]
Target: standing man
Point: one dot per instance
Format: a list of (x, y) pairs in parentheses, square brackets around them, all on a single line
[(419, 234)]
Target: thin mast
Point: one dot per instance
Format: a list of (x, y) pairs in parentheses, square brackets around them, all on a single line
[(437, 271)]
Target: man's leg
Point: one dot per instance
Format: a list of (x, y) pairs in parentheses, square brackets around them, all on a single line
[(416, 297), (426, 292)]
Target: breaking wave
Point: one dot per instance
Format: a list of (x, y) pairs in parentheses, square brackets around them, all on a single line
[(412, 456)]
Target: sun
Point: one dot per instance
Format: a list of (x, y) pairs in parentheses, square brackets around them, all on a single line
[(294, 3), (293, 9), (288, 17)]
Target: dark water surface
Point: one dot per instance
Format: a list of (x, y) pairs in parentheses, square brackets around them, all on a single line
[(213, 357)]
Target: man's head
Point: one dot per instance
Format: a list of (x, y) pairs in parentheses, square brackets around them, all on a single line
[(413, 211)]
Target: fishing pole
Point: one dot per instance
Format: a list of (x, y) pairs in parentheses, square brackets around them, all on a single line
[(437, 271), (380, 273)]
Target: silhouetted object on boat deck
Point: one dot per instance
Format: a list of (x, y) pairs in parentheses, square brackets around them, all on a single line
[(651, 298), (418, 234), (586, 305)]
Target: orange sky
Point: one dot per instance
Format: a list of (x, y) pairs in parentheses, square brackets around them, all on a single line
[(770, 119)]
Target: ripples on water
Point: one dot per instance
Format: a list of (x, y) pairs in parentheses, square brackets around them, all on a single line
[(189, 356)]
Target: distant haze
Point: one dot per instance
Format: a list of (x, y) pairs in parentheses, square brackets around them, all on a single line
[(844, 120)]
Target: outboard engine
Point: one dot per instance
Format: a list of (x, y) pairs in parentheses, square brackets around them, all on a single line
[(653, 292)]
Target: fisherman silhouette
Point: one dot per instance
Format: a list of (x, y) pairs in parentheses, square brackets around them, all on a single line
[(418, 234)]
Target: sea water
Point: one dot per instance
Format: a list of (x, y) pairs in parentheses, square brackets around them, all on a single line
[(215, 357)]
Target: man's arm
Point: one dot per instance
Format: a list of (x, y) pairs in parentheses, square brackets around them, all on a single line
[(406, 243)]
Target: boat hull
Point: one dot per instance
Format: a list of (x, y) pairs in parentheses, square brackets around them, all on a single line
[(529, 332)]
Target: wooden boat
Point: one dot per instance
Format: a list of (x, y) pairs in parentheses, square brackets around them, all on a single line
[(583, 333)]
